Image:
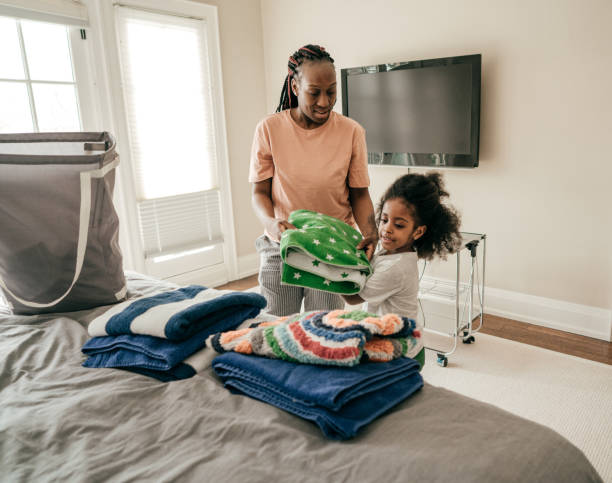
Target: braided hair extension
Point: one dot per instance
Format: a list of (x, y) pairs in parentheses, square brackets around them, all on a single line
[(307, 52), (423, 195)]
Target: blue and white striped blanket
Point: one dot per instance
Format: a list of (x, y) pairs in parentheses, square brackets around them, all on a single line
[(174, 315), (164, 335), (162, 359)]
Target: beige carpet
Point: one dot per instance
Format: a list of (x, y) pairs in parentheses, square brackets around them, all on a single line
[(573, 396)]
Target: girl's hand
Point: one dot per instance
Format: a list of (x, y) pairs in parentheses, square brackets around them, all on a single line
[(276, 226), (368, 244)]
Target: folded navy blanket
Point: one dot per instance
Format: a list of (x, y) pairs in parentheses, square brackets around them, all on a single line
[(198, 313), (174, 315), (340, 400), (154, 356)]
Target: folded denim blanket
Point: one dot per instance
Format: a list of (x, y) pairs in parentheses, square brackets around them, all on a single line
[(175, 314), (156, 357), (321, 253), (340, 400), (338, 337)]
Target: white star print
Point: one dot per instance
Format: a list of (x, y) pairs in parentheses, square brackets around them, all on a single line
[(316, 242), (329, 257), (346, 251), (297, 275), (332, 240), (355, 237), (326, 282)]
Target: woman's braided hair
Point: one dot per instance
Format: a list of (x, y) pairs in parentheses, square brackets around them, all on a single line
[(423, 195), (308, 52)]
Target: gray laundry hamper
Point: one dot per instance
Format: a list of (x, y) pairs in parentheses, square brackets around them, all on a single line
[(59, 231)]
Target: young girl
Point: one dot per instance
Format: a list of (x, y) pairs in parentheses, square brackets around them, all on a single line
[(413, 223)]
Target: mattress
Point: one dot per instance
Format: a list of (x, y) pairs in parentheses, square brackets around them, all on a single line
[(62, 421)]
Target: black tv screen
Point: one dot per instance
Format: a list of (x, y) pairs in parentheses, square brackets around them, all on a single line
[(417, 113)]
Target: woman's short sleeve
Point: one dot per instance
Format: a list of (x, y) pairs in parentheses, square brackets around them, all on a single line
[(261, 165), (358, 169)]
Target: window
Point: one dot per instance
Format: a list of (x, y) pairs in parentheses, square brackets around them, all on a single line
[(166, 103), (148, 71), (38, 90)]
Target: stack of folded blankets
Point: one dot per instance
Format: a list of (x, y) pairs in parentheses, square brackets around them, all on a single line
[(164, 335), (321, 253), (339, 369)]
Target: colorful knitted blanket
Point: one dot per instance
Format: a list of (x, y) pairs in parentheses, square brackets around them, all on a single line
[(321, 253), (339, 337)]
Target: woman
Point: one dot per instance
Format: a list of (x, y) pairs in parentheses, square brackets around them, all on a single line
[(306, 156)]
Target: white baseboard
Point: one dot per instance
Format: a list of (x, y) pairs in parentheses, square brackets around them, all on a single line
[(554, 314), (248, 265), (209, 277)]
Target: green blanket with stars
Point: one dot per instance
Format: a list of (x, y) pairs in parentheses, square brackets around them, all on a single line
[(321, 253)]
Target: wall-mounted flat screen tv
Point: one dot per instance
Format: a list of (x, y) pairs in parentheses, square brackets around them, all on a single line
[(417, 113)]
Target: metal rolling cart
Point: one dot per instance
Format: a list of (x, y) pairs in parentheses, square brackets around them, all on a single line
[(458, 293)]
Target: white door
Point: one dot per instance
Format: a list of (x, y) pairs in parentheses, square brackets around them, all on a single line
[(165, 93)]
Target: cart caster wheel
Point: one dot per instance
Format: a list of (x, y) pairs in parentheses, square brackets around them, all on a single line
[(469, 340), (442, 360)]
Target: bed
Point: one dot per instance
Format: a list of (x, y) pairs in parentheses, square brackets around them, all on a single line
[(61, 421)]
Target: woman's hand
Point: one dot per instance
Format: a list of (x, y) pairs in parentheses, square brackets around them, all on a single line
[(363, 211), (276, 226), (368, 244), (264, 209)]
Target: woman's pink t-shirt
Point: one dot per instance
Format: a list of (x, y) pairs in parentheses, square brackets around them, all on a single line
[(311, 169)]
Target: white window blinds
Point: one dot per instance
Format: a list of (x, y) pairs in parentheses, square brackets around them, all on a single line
[(168, 100), (187, 221)]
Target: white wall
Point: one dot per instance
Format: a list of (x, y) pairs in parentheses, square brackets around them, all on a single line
[(242, 59), (541, 192)]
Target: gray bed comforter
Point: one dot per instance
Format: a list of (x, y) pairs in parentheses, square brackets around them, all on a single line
[(62, 422)]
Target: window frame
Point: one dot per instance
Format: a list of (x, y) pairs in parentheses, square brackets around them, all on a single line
[(80, 59), (112, 114)]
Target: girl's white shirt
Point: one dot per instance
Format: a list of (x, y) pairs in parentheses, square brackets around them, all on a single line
[(393, 286)]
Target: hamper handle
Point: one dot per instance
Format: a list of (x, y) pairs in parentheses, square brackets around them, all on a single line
[(84, 215)]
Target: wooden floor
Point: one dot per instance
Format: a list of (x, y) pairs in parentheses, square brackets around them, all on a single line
[(241, 284), (557, 340)]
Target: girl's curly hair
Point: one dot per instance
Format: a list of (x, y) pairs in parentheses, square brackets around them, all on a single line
[(423, 194)]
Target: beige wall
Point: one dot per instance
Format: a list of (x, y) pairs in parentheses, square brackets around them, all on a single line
[(542, 190), (242, 59)]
